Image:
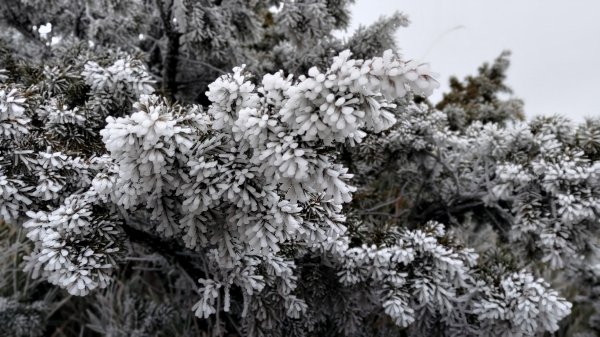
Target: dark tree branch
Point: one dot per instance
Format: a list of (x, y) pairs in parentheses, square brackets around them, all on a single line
[(176, 253), (78, 26), (169, 249), (171, 59)]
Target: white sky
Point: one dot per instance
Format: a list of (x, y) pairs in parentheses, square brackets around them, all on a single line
[(555, 44)]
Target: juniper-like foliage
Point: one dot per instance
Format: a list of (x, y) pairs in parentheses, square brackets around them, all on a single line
[(230, 168)]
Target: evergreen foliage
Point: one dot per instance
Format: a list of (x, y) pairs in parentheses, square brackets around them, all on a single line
[(146, 190)]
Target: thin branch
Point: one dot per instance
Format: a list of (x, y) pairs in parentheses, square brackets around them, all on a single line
[(168, 248), (452, 173), (171, 60), (381, 205), (208, 65)]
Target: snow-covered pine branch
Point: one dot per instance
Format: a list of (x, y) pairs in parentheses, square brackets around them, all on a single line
[(324, 203)]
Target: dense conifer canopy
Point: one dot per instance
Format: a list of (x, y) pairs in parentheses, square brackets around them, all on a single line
[(232, 168)]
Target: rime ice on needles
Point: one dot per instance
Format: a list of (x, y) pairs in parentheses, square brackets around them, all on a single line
[(343, 102), (533, 177), (145, 146), (13, 121), (117, 85), (14, 124), (523, 306), (284, 120), (3, 75), (129, 74), (435, 279), (255, 189), (13, 196), (22, 319), (56, 114), (74, 248), (352, 95)]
